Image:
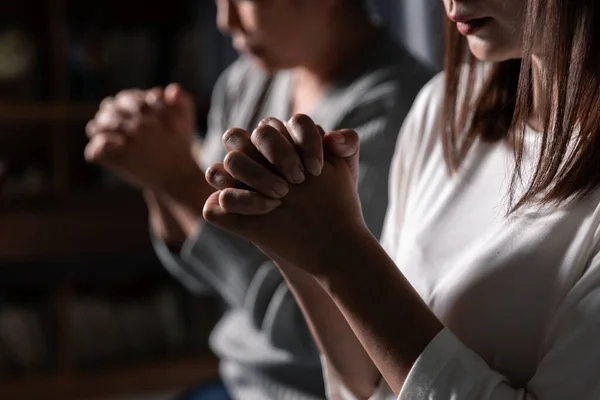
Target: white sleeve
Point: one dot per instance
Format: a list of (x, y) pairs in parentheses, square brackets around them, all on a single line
[(336, 390), (568, 368)]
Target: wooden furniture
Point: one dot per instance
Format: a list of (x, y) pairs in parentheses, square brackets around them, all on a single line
[(75, 219), (64, 220)]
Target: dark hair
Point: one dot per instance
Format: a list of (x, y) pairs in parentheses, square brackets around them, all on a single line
[(569, 160)]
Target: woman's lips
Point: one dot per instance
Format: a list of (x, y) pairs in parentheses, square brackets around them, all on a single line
[(470, 27)]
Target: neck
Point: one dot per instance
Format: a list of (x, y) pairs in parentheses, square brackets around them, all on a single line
[(344, 42)]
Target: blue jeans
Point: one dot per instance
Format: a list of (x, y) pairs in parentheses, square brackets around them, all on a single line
[(213, 391)]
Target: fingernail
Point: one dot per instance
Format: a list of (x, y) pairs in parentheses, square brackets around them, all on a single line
[(298, 175), (338, 137), (281, 189), (273, 203), (313, 166)]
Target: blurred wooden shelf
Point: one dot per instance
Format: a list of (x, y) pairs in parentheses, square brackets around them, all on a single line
[(175, 375), (94, 223), (46, 113)]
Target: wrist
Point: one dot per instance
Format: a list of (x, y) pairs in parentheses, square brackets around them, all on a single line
[(163, 224), (340, 257), (186, 185), (184, 195)]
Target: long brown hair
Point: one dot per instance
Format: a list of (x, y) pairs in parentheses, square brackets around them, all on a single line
[(568, 35)]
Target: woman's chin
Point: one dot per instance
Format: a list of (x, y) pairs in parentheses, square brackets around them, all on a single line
[(489, 51)]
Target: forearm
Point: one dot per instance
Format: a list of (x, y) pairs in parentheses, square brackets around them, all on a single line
[(162, 222), (175, 211), (389, 318), (332, 334)]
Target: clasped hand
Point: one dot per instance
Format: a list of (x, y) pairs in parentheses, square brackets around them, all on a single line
[(291, 189), (144, 136)]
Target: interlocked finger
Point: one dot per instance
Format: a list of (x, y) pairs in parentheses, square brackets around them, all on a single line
[(246, 170)]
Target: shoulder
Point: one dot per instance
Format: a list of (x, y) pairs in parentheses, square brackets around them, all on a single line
[(426, 113), (421, 130)]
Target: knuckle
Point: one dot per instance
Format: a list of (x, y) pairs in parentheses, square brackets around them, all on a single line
[(211, 174), (274, 146), (229, 198), (271, 121), (129, 100), (277, 125), (240, 202), (303, 129), (234, 137), (106, 117), (220, 181), (215, 176), (122, 95), (90, 127), (210, 213), (300, 121), (93, 151), (233, 159), (264, 134), (89, 154), (349, 132), (106, 102), (154, 98)]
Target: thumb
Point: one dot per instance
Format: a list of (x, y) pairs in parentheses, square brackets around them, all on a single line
[(345, 143), (183, 116)]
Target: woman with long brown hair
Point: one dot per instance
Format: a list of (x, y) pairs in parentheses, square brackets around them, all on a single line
[(487, 282)]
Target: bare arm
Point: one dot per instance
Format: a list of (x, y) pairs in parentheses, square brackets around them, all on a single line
[(176, 211), (332, 333), (380, 306)]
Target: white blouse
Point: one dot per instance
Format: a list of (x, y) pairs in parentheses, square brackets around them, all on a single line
[(519, 294)]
